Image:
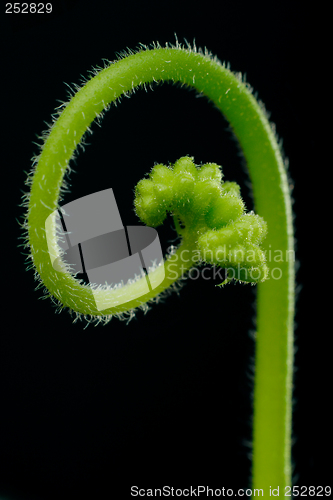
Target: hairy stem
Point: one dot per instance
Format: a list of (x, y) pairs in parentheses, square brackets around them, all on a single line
[(275, 300)]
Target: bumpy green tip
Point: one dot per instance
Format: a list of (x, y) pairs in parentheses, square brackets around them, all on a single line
[(237, 248), (210, 208)]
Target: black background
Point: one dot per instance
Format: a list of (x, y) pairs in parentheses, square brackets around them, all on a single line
[(165, 399)]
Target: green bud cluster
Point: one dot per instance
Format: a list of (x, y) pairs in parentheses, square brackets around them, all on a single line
[(237, 248), (190, 192), (199, 198)]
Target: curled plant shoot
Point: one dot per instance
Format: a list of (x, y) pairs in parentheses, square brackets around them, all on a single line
[(209, 216)]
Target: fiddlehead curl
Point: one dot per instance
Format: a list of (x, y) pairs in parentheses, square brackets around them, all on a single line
[(70, 125), (261, 150)]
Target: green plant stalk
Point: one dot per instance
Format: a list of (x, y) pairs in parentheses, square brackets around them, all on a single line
[(275, 298)]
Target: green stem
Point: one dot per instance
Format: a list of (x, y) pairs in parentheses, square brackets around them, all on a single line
[(275, 302)]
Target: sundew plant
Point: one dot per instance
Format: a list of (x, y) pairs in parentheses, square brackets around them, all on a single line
[(210, 219)]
